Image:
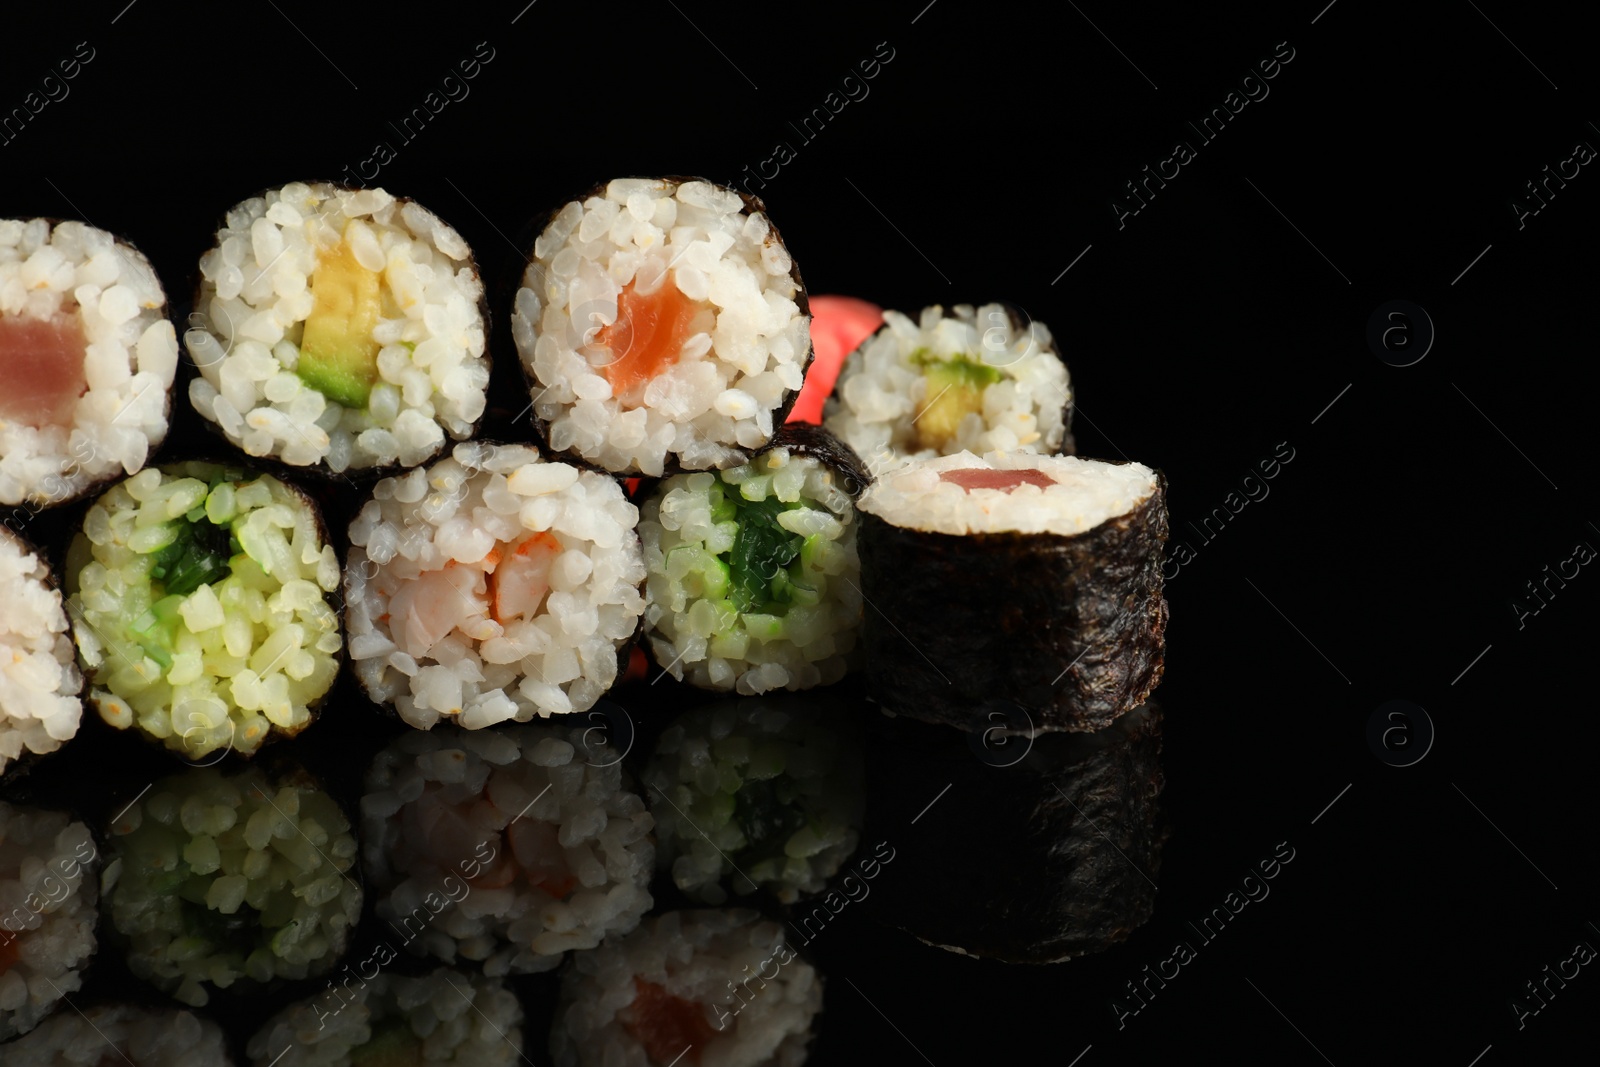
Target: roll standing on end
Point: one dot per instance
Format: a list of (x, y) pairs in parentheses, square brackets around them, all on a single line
[(1025, 577)]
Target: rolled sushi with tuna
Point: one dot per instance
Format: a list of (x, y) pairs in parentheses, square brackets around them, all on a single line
[(387, 1020), (754, 574), (764, 792), (216, 881), (40, 682), (87, 356), (110, 1035), (338, 327), (199, 597), (978, 380), (494, 585), (507, 847), (1027, 577), (663, 325), (713, 987), (48, 864)]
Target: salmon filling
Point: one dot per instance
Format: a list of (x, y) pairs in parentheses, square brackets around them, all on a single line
[(667, 1026), (970, 478), (646, 338), (41, 362)]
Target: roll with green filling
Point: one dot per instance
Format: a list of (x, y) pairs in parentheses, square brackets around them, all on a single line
[(198, 595)]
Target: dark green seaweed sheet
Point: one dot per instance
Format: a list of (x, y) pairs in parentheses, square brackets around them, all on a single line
[(1071, 628)]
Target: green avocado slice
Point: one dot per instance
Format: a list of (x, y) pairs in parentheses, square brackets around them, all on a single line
[(338, 356), (955, 390)]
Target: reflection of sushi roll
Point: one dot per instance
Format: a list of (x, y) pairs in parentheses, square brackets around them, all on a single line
[(444, 1017), (115, 1034), (506, 846), (47, 913), (340, 327), (39, 684), (87, 358), (494, 585), (753, 570), (218, 881), (1061, 834), (764, 791), (710, 987), (1036, 578), (984, 380), (198, 593), (662, 323)]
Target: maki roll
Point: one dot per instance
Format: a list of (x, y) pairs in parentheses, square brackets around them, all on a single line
[(754, 576), (199, 599), (340, 327), (87, 356), (1061, 834), (704, 987), (40, 682), (1034, 578), (506, 846), (219, 880), (444, 1017), (662, 324), (47, 913), (142, 1037), (756, 792), (492, 586), (975, 380)]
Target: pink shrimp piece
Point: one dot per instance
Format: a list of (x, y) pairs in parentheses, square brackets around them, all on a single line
[(426, 609), (518, 584)]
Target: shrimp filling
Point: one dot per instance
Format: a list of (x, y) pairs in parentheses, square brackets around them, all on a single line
[(509, 583)]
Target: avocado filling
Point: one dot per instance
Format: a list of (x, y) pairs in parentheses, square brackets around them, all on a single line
[(954, 390), (338, 356)]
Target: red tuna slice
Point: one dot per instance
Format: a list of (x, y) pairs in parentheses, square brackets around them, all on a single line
[(972, 478), (41, 369)]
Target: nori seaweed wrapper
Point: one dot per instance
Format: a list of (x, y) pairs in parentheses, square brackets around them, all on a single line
[(752, 204), (1072, 628), (1060, 835)]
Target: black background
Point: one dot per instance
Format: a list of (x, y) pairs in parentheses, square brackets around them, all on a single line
[(1201, 334)]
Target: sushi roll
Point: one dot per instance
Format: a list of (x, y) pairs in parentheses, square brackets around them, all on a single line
[(1028, 577), (111, 1035), (339, 327), (1060, 854), (87, 355), (199, 596), (40, 682), (507, 846), (754, 577), (216, 881), (444, 1017), (706, 987), (969, 379), (47, 913), (760, 792), (492, 586), (663, 325)]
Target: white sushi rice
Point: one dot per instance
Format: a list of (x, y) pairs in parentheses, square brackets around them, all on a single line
[(882, 401), (696, 632), (748, 348), (47, 913), (39, 679), (256, 297), (248, 654), (74, 270), (507, 846), (460, 551), (114, 1034), (1086, 493), (757, 1000), (445, 1017)]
